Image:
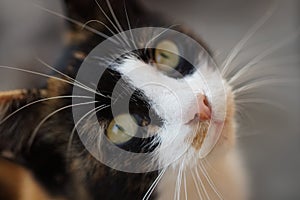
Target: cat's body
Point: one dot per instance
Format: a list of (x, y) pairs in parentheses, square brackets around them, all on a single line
[(74, 173)]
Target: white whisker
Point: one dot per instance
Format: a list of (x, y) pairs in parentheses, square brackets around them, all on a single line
[(262, 55), (38, 101), (119, 30), (210, 181), (49, 76), (158, 35), (184, 186), (129, 26), (34, 133), (121, 39), (263, 82), (97, 109), (99, 22), (106, 16), (261, 101), (178, 182), (75, 22), (74, 80), (209, 164), (201, 183), (249, 134), (243, 114), (107, 27), (244, 40), (154, 184), (196, 185), (114, 16)]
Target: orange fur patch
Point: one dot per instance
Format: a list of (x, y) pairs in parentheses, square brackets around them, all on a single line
[(14, 94), (200, 136)]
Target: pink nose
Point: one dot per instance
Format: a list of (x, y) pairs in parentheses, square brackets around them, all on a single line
[(204, 112)]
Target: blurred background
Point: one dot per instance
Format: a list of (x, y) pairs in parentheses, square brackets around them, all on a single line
[(269, 137)]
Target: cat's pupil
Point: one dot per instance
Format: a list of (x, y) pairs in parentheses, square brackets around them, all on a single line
[(120, 127), (164, 55)]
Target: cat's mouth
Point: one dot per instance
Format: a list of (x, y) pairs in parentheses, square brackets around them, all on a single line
[(206, 125)]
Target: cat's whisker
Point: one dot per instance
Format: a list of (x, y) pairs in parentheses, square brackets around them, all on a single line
[(114, 17), (158, 35), (39, 101), (180, 174), (206, 161), (105, 60), (75, 22), (99, 22), (261, 101), (264, 82), (282, 60), (236, 50), (154, 184), (117, 27), (129, 26), (255, 133), (196, 185), (210, 181), (68, 77), (97, 109), (106, 16), (262, 55), (184, 186), (35, 131), (120, 95), (201, 183), (259, 72), (243, 114), (121, 38), (107, 27), (52, 77), (176, 191)]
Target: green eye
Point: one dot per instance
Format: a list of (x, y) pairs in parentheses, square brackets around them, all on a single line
[(166, 55), (122, 129)]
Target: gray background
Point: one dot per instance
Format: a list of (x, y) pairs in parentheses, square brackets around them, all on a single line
[(269, 138)]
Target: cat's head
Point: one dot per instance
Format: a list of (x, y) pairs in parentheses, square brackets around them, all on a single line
[(142, 99), (161, 91), (158, 90)]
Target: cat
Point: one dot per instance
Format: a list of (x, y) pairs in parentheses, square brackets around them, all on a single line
[(37, 125)]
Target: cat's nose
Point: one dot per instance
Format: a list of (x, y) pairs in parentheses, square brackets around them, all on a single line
[(204, 109)]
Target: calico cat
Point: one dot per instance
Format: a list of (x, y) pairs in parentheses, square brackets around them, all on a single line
[(50, 156)]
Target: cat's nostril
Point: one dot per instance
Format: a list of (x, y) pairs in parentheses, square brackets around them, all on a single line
[(204, 109)]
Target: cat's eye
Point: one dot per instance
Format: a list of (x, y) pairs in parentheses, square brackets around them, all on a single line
[(122, 129), (166, 55)]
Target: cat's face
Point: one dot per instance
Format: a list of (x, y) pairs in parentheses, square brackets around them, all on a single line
[(159, 93)]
